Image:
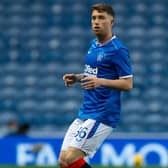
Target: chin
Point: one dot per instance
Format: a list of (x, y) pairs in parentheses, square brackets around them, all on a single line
[(97, 33)]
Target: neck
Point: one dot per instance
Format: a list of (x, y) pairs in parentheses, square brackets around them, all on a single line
[(102, 39)]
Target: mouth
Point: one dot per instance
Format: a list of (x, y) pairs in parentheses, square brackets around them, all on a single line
[(96, 28)]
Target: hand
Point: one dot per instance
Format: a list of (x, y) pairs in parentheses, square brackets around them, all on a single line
[(69, 79), (90, 82)]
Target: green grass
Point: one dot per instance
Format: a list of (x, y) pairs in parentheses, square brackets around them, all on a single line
[(58, 167)]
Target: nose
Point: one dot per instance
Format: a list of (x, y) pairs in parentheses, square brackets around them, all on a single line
[(96, 21)]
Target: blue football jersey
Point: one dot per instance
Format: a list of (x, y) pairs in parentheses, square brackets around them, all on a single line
[(110, 61)]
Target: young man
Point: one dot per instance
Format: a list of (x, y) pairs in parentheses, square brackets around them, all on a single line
[(107, 72)]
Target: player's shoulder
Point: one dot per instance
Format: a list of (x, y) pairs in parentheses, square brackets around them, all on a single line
[(116, 44), (117, 47), (94, 43)]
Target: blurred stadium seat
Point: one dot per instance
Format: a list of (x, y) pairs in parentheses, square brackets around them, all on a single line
[(42, 40)]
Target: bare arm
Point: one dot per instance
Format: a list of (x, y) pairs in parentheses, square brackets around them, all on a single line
[(120, 84), (91, 82)]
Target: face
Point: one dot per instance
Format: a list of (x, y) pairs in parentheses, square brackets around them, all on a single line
[(101, 23)]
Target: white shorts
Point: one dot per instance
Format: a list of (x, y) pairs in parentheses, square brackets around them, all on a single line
[(86, 135)]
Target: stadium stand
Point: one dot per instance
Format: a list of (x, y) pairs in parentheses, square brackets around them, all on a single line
[(42, 40)]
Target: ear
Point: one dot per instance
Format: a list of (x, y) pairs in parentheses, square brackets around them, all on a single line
[(112, 21)]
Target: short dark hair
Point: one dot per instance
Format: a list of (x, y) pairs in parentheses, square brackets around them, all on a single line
[(102, 7)]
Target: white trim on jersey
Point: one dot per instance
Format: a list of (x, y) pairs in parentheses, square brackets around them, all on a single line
[(113, 37), (128, 76)]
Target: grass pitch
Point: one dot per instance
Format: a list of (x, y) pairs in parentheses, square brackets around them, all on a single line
[(92, 166)]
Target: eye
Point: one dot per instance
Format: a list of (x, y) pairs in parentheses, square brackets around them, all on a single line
[(101, 17), (93, 17)]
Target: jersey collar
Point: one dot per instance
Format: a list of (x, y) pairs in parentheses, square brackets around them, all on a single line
[(98, 44)]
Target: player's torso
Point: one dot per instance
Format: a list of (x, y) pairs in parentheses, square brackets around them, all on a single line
[(98, 62), (102, 103)]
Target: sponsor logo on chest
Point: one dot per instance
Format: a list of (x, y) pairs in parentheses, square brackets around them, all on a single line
[(90, 71)]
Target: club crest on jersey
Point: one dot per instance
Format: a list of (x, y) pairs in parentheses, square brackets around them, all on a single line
[(100, 56)]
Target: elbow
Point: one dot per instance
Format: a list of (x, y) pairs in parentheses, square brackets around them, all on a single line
[(129, 87)]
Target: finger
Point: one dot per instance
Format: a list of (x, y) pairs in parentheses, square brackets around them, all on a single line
[(63, 77), (86, 79), (87, 85), (69, 80), (68, 84)]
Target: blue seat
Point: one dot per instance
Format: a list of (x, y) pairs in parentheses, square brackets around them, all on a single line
[(40, 41)]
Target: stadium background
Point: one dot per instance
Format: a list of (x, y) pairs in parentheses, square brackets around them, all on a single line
[(40, 40)]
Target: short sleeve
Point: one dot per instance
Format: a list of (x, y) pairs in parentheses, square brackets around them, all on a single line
[(122, 63)]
